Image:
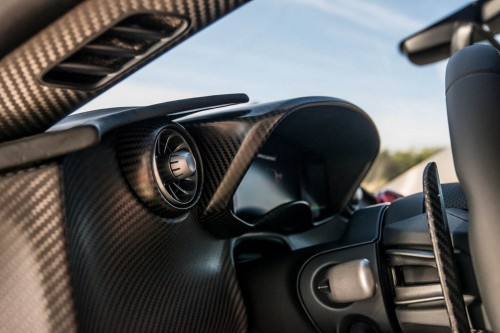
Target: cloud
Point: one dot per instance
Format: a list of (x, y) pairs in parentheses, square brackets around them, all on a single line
[(366, 14)]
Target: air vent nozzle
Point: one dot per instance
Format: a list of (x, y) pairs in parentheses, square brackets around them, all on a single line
[(115, 50), (163, 166), (175, 168), (182, 164)]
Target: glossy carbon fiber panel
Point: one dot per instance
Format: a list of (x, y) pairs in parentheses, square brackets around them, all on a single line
[(134, 271), (35, 291), (28, 107), (443, 250), (228, 147)]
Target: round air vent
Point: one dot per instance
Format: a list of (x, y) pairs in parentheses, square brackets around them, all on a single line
[(162, 165), (175, 168)]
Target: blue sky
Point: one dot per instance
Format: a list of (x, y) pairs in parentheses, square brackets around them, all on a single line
[(277, 49)]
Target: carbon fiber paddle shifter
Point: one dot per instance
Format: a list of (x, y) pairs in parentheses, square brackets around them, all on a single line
[(443, 250)]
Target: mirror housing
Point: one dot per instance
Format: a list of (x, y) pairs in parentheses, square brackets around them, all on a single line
[(477, 22)]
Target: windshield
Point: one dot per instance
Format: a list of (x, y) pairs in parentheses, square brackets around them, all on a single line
[(277, 49)]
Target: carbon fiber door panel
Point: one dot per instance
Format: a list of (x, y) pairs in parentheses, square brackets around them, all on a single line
[(35, 291)]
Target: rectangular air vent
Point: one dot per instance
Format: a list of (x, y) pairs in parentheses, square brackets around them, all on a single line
[(415, 276), (115, 50)]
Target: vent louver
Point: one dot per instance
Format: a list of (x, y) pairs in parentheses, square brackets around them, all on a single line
[(115, 50), (175, 168)]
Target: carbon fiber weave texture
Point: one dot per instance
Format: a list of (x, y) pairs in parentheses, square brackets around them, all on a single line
[(28, 107), (35, 291), (228, 148), (134, 271), (443, 251)]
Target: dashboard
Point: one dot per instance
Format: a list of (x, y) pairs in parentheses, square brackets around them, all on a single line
[(185, 217), (239, 209)]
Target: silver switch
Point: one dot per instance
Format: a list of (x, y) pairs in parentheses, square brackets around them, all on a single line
[(351, 281)]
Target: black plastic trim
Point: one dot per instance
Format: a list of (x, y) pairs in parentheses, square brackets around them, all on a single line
[(84, 130), (330, 317), (108, 119), (270, 286), (42, 147)]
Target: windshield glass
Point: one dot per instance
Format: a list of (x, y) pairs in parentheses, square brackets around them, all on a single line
[(277, 49)]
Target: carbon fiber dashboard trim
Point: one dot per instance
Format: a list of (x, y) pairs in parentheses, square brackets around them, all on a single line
[(133, 270), (136, 144), (228, 146), (34, 276), (28, 107)]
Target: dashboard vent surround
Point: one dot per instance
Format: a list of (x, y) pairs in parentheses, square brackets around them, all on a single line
[(175, 168), (114, 51), (163, 166)]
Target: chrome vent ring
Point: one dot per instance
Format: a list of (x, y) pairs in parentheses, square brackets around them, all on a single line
[(176, 168)]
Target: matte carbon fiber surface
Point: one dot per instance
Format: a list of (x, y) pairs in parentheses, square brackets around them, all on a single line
[(28, 107), (134, 271), (443, 250), (35, 291), (135, 146)]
